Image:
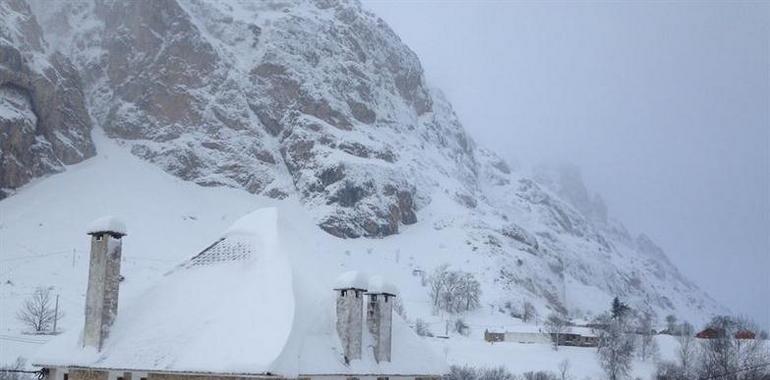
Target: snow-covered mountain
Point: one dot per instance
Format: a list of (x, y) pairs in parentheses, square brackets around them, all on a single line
[(317, 104), (44, 124)]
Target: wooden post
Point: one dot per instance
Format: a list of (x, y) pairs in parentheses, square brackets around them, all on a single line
[(56, 314)]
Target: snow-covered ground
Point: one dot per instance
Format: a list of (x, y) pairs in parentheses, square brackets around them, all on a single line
[(43, 242)]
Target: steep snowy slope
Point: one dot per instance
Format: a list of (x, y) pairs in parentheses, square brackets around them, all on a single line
[(169, 220), (43, 121), (320, 106)]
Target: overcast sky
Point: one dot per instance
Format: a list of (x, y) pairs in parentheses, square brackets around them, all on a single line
[(664, 106)]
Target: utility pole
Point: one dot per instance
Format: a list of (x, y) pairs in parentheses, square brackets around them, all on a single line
[(73, 257), (56, 314)]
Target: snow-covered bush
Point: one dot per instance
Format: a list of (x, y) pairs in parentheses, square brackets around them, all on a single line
[(398, 307), (421, 328), (498, 373), (18, 365), (472, 373), (461, 327), (539, 375), (461, 373)]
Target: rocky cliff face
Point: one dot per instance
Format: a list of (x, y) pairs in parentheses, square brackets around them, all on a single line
[(43, 120), (321, 101)]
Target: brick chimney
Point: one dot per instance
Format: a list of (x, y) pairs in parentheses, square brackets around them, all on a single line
[(379, 316), (103, 280), (350, 289)]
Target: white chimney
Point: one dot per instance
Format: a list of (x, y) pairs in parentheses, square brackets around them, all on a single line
[(379, 316), (103, 280), (350, 288)]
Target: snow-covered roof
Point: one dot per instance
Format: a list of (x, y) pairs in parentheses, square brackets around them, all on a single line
[(252, 303), (107, 224)]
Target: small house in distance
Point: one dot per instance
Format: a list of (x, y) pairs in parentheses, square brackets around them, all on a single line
[(530, 334), (246, 307)]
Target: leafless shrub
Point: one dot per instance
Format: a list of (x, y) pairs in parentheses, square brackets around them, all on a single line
[(38, 311)]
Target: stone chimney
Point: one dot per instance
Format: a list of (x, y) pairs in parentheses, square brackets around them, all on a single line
[(379, 316), (103, 280), (350, 305)]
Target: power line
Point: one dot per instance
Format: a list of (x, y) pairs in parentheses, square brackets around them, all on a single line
[(19, 339)]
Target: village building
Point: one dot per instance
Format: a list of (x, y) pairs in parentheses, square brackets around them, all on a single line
[(713, 333), (529, 334), (244, 308)]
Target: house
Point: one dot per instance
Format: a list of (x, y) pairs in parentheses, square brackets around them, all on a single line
[(248, 306), (528, 334), (745, 334), (709, 333)]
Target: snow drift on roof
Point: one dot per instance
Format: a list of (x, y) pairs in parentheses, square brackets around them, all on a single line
[(107, 224), (378, 284), (351, 280)]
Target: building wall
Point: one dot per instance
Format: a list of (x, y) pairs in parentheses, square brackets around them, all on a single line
[(527, 337), (80, 374)]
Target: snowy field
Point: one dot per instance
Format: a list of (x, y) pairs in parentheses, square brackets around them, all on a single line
[(43, 242)]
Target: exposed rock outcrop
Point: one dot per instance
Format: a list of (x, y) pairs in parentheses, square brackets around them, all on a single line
[(43, 119)]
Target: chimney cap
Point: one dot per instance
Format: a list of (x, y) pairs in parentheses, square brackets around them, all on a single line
[(351, 280), (378, 285), (107, 224)]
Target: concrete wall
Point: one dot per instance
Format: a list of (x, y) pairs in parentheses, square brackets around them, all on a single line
[(527, 337), (379, 320), (103, 288), (350, 306)]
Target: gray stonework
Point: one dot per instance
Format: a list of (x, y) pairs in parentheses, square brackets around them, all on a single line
[(379, 318), (103, 287), (350, 306), (84, 374)]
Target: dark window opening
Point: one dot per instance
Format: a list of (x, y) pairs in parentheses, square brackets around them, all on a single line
[(66, 376), (99, 237), (121, 378)]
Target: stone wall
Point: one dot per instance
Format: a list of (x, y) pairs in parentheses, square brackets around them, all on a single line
[(379, 316), (81, 374), (103, 288), (350, 306)]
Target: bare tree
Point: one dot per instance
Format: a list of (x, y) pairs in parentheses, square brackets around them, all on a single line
[(564, 369), (421, 328), (616, 347), (10, 372), (671, 324), (555, 326), (529, 312), (647, 346), (687, 352), (38, 311), (454, 291)]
